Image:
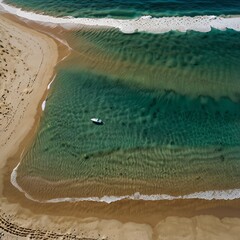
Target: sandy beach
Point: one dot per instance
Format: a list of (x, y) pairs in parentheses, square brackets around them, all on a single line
[(27, 64), (27, 61)]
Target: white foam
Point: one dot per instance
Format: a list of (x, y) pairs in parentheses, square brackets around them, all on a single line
[(49, 85), (43, 105), (143, 24), (14, 178), (229, 194), (207, 195), (16, 185)]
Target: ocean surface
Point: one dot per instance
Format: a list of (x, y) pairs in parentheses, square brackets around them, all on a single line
[(170, 104), (129, 8)]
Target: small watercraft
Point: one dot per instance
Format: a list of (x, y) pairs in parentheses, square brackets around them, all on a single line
[(97, 121)]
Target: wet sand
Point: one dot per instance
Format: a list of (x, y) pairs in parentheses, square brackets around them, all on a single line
[(23, 89)]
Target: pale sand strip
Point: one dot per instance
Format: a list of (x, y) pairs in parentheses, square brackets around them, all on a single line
[(24, 79)]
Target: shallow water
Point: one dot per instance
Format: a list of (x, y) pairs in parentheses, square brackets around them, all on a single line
[(168, 129), (189, 63)]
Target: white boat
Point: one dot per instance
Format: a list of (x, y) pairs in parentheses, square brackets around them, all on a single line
[(97, 121)]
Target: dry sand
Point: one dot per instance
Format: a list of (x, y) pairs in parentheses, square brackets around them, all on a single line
[(27, 60), (26, 67)]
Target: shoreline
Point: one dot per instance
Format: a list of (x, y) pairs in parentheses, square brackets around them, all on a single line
[(209, 195), (67, 220), (38, 72)]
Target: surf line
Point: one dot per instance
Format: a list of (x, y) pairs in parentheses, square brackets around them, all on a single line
[(143, 24), (48, 88), (205, 195)]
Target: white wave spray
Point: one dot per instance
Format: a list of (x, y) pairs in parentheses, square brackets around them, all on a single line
[(229, 194), (142, 24)]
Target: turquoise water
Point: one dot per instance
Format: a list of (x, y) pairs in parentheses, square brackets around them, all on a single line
[(170, 104), (130, 8), (189, 63)]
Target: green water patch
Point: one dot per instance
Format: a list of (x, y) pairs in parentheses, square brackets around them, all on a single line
[(139, 124), (189, 63), (170, 104), (129, 8)]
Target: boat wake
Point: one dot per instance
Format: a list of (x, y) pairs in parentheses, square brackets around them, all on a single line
[(142, 24)]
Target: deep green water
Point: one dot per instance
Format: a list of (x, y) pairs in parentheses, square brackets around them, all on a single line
[(171, 109), (191, 63)]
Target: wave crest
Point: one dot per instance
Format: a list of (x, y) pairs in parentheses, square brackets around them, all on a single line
[(229, 194), (142, 24)]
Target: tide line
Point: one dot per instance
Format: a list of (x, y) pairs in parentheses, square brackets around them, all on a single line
[(229, 194), (48, 88), (142, 24), (44, 105), (49, 85)]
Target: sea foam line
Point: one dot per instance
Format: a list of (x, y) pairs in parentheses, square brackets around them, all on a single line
[(48, 88), (206, 195), (49, 85), (229, 194), (44, 105), (142, 24), (16, 185)]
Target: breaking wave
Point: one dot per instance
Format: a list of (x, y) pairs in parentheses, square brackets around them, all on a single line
[(142, 24)]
